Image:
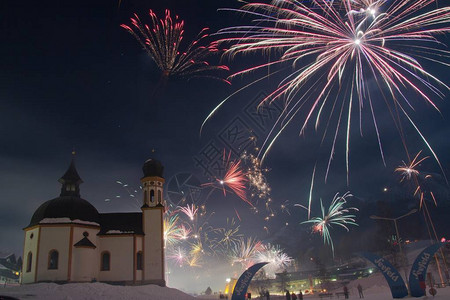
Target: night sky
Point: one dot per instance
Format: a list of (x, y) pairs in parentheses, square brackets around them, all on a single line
[(71, 78)]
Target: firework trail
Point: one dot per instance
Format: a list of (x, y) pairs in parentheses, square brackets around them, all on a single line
[(409, 172), (336, 215), (162, 39), (422, 184), (276, 258), (194, 261), (422, 190), (334, 48), (132, 193), (234, 179)]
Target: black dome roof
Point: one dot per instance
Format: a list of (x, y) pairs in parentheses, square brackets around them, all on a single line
[(153, 167), (70, 207)]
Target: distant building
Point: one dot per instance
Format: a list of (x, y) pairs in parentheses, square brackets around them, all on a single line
[(68, 240), (10, 269), (315, 280)]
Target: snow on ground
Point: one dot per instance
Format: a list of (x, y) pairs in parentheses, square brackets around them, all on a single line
[(375, 288), (92, 291)]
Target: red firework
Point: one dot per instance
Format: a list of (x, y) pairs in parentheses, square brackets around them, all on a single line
[(234, 178)]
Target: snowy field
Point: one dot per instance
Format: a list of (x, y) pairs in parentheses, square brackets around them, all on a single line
[(375, 288), (91, 291)]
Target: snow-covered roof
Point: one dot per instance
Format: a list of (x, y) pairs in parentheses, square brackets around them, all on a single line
[(66, 220), (118, 232)]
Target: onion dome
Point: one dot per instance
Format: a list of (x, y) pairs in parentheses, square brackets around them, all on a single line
[(65, 209), (69, 207), (153, 167)]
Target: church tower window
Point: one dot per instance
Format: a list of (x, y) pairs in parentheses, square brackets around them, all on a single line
[(139, 260), (152, 196), (53, 260), (159, 196), (29, 261), (105, 260)]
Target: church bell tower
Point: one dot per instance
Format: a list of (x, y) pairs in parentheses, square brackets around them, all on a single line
[(152, 183), (153, 223)]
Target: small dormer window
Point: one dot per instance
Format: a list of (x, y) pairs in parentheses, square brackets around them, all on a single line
[(70, 188)]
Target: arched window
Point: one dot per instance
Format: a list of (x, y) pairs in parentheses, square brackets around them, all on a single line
[(53, 260), (159, 196), (29, 261), (105, 259), (152, 196), (139, 260)]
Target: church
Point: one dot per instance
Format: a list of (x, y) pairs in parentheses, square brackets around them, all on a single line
[(68, 240)]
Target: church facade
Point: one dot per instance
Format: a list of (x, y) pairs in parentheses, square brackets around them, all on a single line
[(68, 240)]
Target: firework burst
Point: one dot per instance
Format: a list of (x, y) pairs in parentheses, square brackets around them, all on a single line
[(197, 248), (171, 230), (334, 48), (178, 255), (409, 172), (194, 261), (244, 252), (183, 232), (162, 39), (234, 178), (285, 207), (337, 214), (276, 258), (255, 174), (189, 211), (228, 236)]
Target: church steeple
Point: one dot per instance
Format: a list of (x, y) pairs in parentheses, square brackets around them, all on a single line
[(71, 181), (152, 183)]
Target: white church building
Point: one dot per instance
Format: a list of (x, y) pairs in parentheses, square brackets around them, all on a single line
[(68, 240)]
